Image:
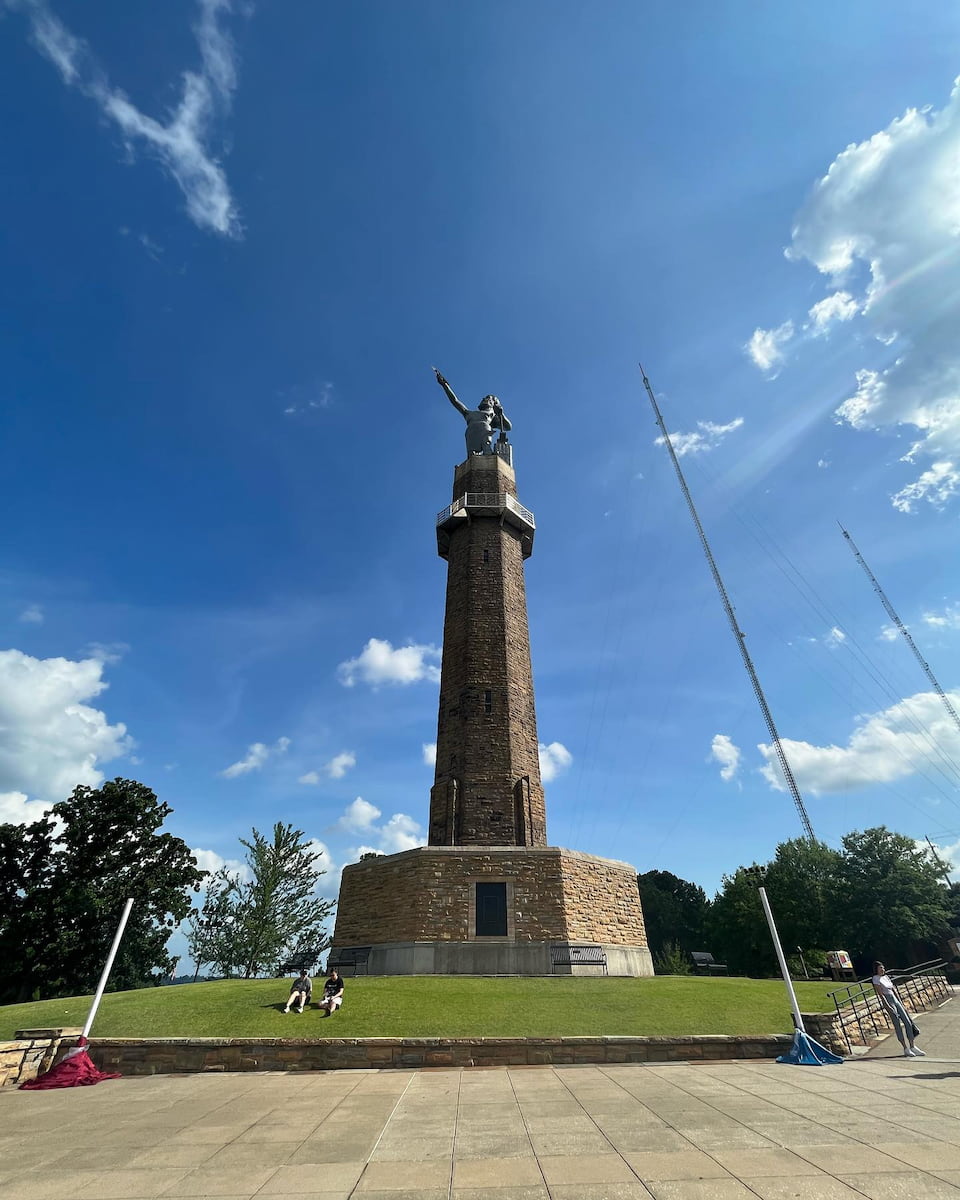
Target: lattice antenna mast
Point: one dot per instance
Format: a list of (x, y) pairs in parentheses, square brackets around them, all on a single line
[(902, 629), (731, 617)]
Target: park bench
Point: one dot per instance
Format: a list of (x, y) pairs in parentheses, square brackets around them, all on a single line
[(578, 956), (703, 963), (356, 957)]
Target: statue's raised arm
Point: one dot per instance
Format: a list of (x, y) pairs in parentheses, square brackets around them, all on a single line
[(451, 395)]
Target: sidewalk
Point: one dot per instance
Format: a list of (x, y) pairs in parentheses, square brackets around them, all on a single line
[(939, 1035), (874, 1127)]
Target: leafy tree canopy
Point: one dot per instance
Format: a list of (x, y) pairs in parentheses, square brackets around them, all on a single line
[(674, 912), (63, 883), (247, 926)]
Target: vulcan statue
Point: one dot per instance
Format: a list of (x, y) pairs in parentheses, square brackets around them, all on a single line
[(481, 421)]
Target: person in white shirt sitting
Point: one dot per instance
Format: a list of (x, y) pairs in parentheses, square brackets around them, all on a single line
[(903, 1024)]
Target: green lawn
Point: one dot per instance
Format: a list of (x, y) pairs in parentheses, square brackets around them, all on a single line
[(431, 1006)]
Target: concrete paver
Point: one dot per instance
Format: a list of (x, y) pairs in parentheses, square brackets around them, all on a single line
[(879, 1126)]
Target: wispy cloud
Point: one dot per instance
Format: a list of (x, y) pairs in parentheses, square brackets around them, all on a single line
[(430, 753), (336, 768), (257, 754), (880, 226), (32, 615), (181, 143), (707, 436)]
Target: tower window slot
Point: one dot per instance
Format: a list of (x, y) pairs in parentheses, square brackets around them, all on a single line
[(488, 702), (486, 556)]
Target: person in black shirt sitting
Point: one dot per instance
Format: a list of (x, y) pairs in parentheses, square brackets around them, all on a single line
[(332, 994)]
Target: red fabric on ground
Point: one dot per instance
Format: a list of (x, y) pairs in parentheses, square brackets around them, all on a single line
[(76, 1070)]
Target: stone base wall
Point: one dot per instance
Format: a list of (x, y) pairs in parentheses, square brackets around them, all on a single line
[(496, 957), (160, 1056), (427, 896), (33, 1052)]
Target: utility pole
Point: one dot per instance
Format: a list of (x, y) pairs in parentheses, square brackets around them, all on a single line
[(734, 625)]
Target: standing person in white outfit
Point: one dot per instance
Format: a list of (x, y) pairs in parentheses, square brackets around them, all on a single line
[(903, 1024)]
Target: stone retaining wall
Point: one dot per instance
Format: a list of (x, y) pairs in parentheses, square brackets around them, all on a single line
[(33, 1051), (170, 1055)]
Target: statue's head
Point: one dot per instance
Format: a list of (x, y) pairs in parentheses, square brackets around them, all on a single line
[(489, 402)]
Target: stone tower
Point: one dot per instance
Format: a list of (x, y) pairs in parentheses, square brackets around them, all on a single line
[(487, 789), (487, 895)]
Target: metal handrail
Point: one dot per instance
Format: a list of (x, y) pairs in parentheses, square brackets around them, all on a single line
[(862, 992), (499, 500)]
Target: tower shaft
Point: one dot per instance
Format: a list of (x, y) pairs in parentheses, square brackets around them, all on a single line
[(487, 789)]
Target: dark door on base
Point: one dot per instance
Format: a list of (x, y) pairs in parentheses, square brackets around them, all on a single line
[(491, 910)]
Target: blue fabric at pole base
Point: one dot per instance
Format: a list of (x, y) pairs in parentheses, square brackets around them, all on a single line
[(805, 1052)]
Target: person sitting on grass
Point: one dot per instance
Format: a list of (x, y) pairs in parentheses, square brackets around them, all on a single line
[(300, 992), (332, 994)]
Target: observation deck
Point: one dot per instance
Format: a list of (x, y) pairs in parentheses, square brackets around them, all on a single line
[(501, 505)]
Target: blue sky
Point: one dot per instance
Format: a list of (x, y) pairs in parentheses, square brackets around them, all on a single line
[(236, 237)]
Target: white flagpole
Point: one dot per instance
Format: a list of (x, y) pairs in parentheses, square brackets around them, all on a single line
[(797, 1019), (106, 970)]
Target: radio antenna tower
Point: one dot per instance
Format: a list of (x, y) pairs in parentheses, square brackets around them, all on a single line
[(734, 625), (902, 629)]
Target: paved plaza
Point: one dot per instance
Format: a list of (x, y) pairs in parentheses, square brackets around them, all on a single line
[(879, 1126)]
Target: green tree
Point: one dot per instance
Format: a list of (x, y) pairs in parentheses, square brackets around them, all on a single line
[(802, 884), (674, 912), (63, 883), (737, 928), (249, 926), (211, 934), (892, 895)]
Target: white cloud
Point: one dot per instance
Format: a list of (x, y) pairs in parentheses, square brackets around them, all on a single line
[(950, 853), (17, 809), (884, 747), (336, 768), (257, 754), (706, 437), (399, 832), (823, 463), (304, 397), (885, 221), (50, 739), (358, 817), (840, 306), (767, 347), (836, 637), (106, 652), (430, 753), (210, 860), (32, 615), (340, 764), (554, 759), (889, 633), (948, 619), (379, 663), (182, 144), (723, 751), (935, 485)]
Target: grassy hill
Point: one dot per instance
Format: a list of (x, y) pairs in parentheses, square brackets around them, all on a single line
[(445, 1006)]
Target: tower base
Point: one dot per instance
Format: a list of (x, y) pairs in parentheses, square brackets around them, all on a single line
[(504, 910)]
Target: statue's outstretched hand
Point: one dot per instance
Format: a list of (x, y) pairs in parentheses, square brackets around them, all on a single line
[(440, 378)]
